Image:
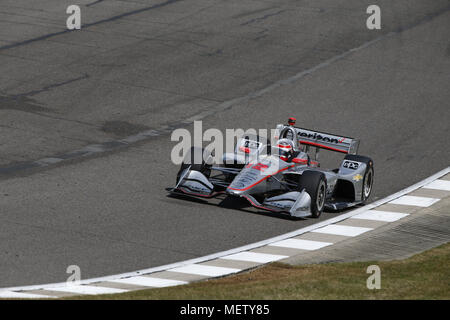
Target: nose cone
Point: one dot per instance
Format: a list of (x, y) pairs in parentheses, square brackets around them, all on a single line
[(233, 192)]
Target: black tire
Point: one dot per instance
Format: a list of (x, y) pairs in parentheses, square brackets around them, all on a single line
[(368, 175), (315, 184), (203, 167)]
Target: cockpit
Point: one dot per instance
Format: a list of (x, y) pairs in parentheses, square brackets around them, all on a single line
[(289, 149)]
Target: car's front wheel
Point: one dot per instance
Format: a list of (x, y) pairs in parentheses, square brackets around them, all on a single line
[(315, 184)]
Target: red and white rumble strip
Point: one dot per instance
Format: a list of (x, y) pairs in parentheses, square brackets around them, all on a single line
[(314, 237)]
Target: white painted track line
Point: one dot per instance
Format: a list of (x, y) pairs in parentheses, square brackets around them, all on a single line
[(203, 270), (378, 215), (415, 201), (300, 244), (254, 257), (342, 230), (20, 295), (438, 185), (84, 289), (150, 282)]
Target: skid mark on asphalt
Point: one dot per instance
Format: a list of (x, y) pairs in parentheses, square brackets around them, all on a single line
[(51, 86), (94, 3), (123, 128), (255, 20), (87, 25), (249, 13), (21, 103)]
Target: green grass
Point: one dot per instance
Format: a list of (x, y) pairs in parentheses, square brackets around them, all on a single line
[(423, 276)]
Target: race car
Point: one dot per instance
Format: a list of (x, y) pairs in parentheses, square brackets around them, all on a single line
[(283, 178)]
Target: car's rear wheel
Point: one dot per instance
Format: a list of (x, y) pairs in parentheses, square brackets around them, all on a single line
[(315, 184)]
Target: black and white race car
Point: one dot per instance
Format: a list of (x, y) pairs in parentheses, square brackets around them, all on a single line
[(285, 177)]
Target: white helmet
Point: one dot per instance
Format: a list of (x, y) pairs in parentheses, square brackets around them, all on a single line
[(285, 149)]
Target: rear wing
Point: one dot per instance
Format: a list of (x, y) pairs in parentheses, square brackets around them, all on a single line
[(322, 140)]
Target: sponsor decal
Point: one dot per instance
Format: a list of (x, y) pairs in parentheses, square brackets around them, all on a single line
[(357, 177), (320, 137), (350, 164), (195, 187), (279, 204)]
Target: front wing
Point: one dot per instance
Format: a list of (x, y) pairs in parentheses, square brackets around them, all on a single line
[(194, 183)]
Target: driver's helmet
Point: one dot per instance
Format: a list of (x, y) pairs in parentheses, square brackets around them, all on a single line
[(285, 149)]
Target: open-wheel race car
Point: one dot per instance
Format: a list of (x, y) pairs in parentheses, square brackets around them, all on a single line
[(285, 177)]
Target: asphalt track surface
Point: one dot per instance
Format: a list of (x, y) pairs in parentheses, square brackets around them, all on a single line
[(139, 65)]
